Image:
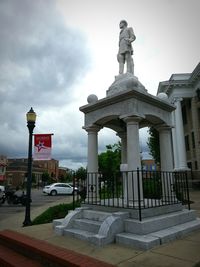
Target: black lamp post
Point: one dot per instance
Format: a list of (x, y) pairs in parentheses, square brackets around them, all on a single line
[(31, 118)]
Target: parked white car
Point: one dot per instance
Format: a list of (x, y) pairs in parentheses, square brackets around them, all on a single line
[(2, 188), (58, 188)]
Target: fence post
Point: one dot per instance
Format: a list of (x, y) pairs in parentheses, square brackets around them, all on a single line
[(187, 190), (139, 200)]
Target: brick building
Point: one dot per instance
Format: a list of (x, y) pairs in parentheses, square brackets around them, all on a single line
[(16, 171), (3, 164)]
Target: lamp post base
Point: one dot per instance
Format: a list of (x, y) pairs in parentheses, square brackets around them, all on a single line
[(27, 223)]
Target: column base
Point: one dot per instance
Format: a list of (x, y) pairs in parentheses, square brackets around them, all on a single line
[(182, 169)]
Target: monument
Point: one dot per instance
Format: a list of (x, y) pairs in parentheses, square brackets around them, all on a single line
[(129, 217)]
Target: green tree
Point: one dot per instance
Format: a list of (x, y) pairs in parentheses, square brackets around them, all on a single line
[(109, 161), (81, 173), (45, 177), (153, 143)]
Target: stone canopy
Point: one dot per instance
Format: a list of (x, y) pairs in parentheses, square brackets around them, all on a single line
[(110, 111)]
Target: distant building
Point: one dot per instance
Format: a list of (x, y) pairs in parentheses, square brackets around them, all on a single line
[(50, 166), (16, 171), (63, 172), (3, 164), (184, 91), (149, 165)]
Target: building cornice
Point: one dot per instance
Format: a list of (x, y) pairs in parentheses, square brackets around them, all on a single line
[(173, 82)]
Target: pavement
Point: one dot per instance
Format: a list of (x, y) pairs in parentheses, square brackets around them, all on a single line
[(184, 252)]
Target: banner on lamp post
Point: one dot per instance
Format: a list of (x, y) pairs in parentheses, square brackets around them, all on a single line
[(42, 146)]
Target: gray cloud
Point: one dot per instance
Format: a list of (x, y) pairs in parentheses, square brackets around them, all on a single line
[(38, 54), (40, 61)]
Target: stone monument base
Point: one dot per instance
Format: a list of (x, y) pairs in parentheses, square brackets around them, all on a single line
[(100, 227), (123, 82)]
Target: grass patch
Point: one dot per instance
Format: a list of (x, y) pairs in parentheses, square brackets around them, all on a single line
[(55, 212)]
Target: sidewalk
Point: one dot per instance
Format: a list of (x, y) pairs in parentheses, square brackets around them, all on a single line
[(184, 252)]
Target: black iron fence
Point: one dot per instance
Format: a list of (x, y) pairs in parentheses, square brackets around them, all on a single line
[(134, 189)]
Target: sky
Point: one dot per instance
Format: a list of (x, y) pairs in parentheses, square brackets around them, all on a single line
[(54, 53)]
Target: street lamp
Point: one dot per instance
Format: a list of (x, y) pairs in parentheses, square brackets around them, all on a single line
[(31, 118)]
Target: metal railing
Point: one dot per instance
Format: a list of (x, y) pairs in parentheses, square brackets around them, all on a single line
[(137, 189)]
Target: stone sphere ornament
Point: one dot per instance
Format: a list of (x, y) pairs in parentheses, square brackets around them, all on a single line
[(92, 99), (162, 96)]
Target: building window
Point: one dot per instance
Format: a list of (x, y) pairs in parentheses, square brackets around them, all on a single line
[(193, 140), (187, 145), (189, 103), (189, 164), (196, 165), (184, 114)]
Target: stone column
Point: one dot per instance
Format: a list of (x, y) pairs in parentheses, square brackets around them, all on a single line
[(92, 168), (123, 165), (166, 158), (133, 146), (166, 155), (123, 137), (180, 138), (133, 159)]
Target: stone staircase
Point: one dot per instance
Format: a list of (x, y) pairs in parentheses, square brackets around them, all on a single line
[(101, 227), (97, 227)]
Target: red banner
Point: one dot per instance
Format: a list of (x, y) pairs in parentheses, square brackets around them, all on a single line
[(42, 146)]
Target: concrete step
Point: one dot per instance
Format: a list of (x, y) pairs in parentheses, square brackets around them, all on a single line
[(153, 239), (78, 233), (143, 242), (157, 223), (87, 225), (95, 215)]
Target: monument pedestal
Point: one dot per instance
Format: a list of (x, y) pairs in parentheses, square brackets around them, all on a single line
[(123, 82)]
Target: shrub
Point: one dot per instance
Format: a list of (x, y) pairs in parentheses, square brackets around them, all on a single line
[(152, 188), (55, 212)]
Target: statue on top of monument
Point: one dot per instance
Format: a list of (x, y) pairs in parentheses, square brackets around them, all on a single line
[(126, 37)]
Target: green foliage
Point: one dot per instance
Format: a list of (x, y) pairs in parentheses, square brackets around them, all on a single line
[(55, 212), (33, 178), (109, 161), (153, 143), (152, 188), (111, 190), (81, 174), (46, 178)]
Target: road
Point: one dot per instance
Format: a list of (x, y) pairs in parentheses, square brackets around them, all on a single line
[(38, 199)]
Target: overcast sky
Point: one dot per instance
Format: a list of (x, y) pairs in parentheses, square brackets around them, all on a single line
[(53, 54)]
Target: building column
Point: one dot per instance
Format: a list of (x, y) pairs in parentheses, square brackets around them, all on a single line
[(180, 138), (174, 143), (92, 167), (196, 129), (133, 161)]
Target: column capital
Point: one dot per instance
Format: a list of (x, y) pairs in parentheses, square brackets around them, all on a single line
[(163, 127), (132, 119), (92, 128), (176, 99)]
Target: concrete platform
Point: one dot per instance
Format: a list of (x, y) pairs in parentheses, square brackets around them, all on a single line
[(184, 252)]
